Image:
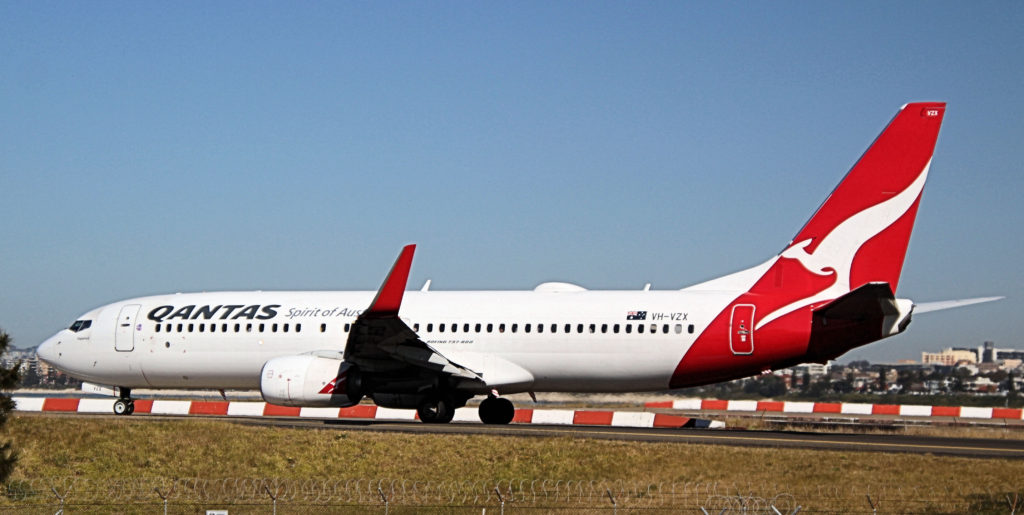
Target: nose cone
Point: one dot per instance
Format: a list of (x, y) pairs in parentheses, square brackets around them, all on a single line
[(48, 351)]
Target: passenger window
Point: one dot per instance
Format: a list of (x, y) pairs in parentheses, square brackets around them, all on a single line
[(273, 328), (213, 328), (248, 328), (690, 329), (554, 328), (285, 327), (501, 328), (416, 327), (526, 328), (579, 328), (167, 328), (348, 327), (640, 328), (298, 328), (615, 328), (477, 328), (664, 328), (568, 328), (604, 328), (540, 328), (158, 328), (430, 327), (190, 327), (465, 328), (261, 328), (654, 328), (440, 328), (629, 328), (238, 328), (593, 328), (455, 328), (323, 328), (679, 328), (515, 327), (223, 328), (490, 328)]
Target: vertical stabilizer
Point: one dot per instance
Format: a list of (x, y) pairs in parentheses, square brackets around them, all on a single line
[(863, 227)]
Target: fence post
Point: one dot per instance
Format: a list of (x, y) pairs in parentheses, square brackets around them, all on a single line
[(164, 496), (385, 499), (273, 498), (874, 508), (500, 498), (60, 509), (615, 505)]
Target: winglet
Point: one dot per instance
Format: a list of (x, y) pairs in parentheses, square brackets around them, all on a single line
[(389, 297)]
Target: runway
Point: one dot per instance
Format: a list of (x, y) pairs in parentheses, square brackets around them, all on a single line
[(960, 447)]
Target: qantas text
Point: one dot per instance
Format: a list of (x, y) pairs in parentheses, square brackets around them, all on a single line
[(225, 312)]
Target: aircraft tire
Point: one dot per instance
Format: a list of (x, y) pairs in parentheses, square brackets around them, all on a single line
[(437, 409), (123, 407), (496, 410)]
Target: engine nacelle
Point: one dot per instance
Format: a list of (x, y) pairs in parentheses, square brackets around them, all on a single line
[(307, 380)]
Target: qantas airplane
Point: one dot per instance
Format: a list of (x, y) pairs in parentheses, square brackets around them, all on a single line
[(830, 290)]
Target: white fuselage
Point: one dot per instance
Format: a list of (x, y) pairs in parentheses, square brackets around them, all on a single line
[(519, 340)]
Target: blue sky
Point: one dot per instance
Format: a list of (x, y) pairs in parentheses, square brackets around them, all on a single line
[(150, 148)]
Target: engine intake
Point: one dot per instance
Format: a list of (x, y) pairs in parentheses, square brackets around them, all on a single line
[(314, 381)]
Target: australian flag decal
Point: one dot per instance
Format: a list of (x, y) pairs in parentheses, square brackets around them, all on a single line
[(636, 315)]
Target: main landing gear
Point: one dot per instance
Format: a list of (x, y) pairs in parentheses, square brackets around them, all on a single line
[(124, 405), (438, 408), (496, 410)]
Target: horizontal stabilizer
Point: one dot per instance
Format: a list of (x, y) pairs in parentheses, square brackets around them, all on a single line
[(925, 307), (871, 300), (866, 314)]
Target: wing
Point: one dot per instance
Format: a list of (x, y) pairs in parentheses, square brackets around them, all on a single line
[(381, 342)]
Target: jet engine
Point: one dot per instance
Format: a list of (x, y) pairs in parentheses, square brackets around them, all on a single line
[(308, 380)]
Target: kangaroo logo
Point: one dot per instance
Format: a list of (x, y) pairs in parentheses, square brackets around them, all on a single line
[(834, 256)]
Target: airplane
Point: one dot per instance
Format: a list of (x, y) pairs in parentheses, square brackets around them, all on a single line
[(830, 290)]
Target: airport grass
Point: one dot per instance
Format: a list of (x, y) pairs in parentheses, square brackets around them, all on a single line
[(107, 448)]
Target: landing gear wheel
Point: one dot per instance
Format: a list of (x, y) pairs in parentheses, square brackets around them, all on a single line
[(123, 407), (438, 409), (496, 410)]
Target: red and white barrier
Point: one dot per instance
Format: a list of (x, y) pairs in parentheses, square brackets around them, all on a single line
[(844, 408), (361, 411)]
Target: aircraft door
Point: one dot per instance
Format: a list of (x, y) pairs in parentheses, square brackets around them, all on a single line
[(124, 337), (741, 329)]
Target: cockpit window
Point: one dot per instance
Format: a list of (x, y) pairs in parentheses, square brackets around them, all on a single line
[(80, 325)]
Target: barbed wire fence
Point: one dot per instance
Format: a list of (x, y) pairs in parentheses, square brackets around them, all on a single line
[(267, 495)]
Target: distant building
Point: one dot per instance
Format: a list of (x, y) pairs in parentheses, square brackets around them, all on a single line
[(950, 357), (988, 353), (813, 369)]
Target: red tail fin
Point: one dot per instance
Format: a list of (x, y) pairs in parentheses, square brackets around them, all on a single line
[(870, 214), (858, 236)]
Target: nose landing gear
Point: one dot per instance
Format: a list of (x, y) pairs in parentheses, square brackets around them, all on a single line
[(124, 405)]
